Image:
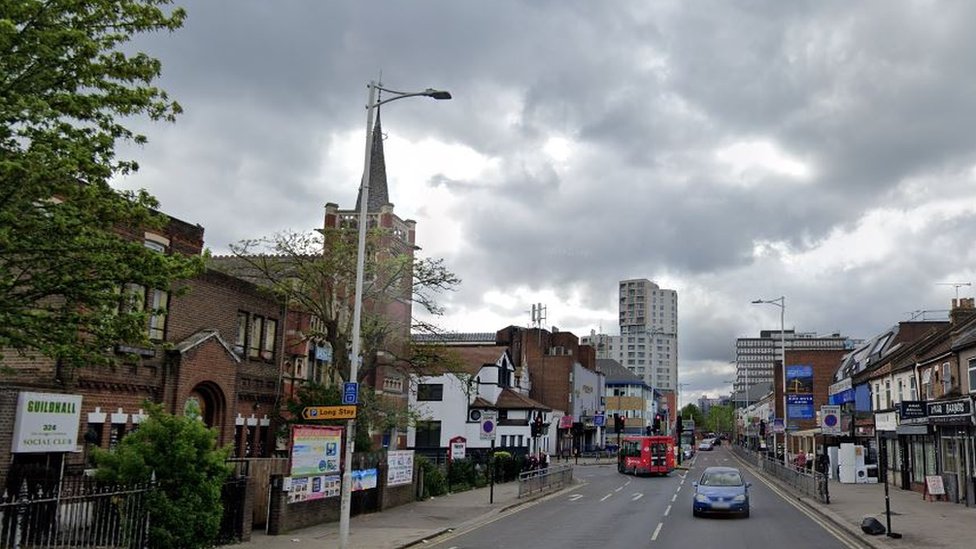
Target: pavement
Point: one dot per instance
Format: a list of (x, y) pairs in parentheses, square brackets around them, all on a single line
[(921, 523), (411, 524)]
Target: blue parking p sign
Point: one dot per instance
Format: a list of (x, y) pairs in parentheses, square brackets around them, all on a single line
[(350, 393)]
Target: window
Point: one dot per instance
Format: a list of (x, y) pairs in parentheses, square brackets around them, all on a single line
[(240, 342), (946, 378), (158, 301), (972, 375), (430, 391), (428, 434), (887, 393), (254, 342), (268, 342), (913, 388), (927, 383)]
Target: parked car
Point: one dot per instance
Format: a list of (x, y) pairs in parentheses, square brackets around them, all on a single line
[(721, 490), (705, 445)]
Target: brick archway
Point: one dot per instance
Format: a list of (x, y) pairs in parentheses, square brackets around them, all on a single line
[(212, 403)]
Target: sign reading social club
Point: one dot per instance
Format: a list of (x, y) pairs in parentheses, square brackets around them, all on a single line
[(46, 422)]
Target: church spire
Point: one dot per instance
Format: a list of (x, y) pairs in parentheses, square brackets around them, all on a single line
[(379, 195)]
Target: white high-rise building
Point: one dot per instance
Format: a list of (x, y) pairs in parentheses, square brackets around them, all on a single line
[(648, 340)]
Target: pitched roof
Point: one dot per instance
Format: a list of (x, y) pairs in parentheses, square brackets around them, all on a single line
[(616, 372), (199, 338), (473, 358), (510, 400)]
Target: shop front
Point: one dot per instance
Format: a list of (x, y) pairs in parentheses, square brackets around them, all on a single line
[(952, 421)]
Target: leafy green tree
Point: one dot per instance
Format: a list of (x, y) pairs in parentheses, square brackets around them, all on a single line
[(693, 412), (719, 419), (186, 509), (66, 86)]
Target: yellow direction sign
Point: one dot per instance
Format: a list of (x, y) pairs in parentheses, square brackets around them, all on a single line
[(329, 412)]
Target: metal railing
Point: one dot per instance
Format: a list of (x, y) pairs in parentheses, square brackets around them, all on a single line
[(77, 512), (809, 483), (541, 480)]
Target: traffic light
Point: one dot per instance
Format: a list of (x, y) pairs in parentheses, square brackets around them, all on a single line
[(618, 423), (537, 426), (678, 428), (648, 430), (657, 423)]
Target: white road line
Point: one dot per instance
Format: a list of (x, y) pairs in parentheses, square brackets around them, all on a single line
[(637, 496), (619, 489), (657, 531), (667, 511), (674, 498), (678, 490), (575, 497), (628, 482), (606, 497)]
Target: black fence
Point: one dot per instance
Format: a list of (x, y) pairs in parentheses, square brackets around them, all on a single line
[(74, 512)]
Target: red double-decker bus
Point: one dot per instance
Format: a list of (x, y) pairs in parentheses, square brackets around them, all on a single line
[(639, 455)]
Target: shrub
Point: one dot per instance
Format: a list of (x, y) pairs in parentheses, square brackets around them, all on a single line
[(185, 510), (461, 472), (433, 478)]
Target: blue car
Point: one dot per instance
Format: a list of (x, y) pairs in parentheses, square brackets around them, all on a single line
[(721, 490)]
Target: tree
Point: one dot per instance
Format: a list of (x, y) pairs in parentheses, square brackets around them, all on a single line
[(719, 419), (693, 412), (65, 85), (373, 413), (315, 273), (185, 509)]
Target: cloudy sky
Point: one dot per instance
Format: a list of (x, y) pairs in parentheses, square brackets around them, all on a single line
[(824, 151)]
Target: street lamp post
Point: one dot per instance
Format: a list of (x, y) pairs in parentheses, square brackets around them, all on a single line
[(371, 105), (781, 303)]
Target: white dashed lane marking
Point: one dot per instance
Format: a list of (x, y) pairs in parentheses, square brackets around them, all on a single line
[(657, 531)]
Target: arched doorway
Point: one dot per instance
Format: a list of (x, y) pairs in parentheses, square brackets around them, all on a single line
[(207, 402)]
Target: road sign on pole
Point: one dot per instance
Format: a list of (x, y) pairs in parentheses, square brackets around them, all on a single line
[(350, 393), (489, 421), (329, 412), (830, 419)]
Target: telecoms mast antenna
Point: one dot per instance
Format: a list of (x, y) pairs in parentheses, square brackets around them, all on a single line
[(538, 315), (957, 285)]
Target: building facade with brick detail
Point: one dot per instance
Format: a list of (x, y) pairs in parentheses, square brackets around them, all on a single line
[(217, 351)]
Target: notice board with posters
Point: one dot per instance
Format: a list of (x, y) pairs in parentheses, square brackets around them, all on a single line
[(315, 450)]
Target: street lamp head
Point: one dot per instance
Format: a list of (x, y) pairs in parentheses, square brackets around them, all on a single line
[(757, 301), (437, 94)]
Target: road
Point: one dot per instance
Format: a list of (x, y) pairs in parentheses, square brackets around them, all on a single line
[(613, 510)]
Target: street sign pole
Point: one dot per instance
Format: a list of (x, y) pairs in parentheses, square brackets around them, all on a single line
[(491, 491)]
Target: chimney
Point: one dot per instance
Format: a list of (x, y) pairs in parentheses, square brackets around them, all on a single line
[(962, 309)]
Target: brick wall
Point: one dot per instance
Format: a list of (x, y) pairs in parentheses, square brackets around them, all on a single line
[(825, 363)]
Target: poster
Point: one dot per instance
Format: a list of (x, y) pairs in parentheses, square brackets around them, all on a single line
[(315, 450), (399, 467), (799, 407), (799, 392), (363, 480), (312, 488), (799, 379)]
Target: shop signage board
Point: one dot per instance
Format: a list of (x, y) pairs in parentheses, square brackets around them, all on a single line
[(46, 422), (912, 409), (885, 421), (950, 411)]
